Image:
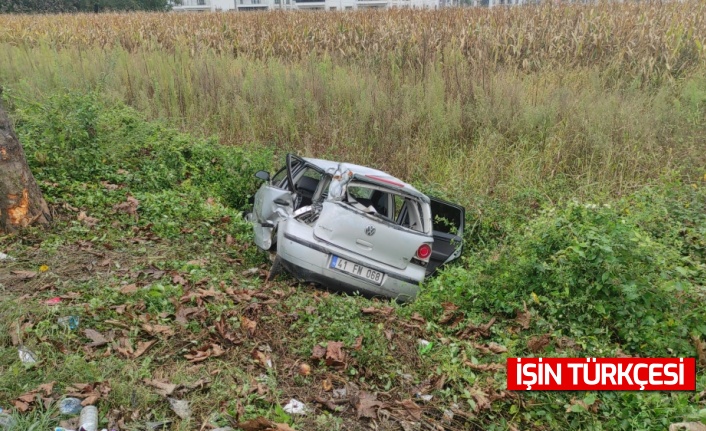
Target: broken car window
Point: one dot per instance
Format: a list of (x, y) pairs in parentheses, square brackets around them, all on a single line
[(385, 204)]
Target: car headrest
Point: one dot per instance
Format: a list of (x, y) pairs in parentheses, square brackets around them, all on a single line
[(307, 186)]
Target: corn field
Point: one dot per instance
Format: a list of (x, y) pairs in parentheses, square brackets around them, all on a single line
[(642, 40)]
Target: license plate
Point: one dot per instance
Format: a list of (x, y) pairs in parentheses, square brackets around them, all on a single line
[(354, 269)]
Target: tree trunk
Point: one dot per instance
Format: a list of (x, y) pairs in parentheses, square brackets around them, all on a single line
[(21, 201)]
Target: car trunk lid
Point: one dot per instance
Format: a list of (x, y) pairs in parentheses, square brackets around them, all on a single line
[(368, 235)]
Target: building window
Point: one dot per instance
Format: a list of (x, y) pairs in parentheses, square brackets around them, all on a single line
[(201, 2)]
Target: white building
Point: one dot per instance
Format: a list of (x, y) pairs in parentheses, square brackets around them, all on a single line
[(255, 5)]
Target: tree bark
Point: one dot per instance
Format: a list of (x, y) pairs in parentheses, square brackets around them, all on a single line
[(21, 200)]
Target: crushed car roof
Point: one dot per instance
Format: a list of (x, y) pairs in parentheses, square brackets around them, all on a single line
[(365, 173)]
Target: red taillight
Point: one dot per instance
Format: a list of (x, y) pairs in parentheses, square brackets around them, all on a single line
[(424, 251)]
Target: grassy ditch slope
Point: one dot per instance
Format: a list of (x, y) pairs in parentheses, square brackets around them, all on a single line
[(578, 153)]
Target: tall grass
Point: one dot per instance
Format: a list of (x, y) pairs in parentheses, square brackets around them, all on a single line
[(646, 40), (472, 136), (574, 100)]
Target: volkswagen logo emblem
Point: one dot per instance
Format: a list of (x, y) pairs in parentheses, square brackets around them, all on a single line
[(370, 230)]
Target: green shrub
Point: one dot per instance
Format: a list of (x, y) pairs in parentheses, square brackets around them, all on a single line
[(592, 271), (76, 138)]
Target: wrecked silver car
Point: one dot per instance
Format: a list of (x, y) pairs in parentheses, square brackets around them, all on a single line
[(353, 228)]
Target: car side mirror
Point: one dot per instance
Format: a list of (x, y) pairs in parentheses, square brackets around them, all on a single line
[(263, 175)]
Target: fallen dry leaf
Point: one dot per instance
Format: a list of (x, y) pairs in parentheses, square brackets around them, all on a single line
[(524, 317), (481, 399), (473, 331), (128, 207), (367, 405), (128, 289), (537, 344), (224, 331), (449, 312), (96, 337), (250, 272), (575, 402), (334, 354), (142, 347), (165, 389), (124, 347), (358, 343), (262, 358), (204, 352), (489, 348), (496, 348), (248, 325), (183, 314), (410, 409), (262, 424), (28, 397), (384, 311), (318, 352), (87, 220), (484, 367), (90, 400), (47, 388), (158, 329), (21, 405), (89, 393), (24, 275)]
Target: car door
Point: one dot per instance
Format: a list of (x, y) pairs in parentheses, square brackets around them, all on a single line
[(448, 221), (273, 202)]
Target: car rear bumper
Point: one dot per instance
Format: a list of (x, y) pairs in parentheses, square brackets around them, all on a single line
[(309, 259)]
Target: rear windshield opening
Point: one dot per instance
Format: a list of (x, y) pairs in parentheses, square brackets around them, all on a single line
[(387, 205), (447, 219)]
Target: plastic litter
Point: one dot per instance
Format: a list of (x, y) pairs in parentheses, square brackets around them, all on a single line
[(70, 406), (27, 356), (89, 419), (340, 393), (425, 398), (295, 407), (223, 429), (180, 407), (53, 301), (70, 322), (3, 256), (6, 421), (156, 426)]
